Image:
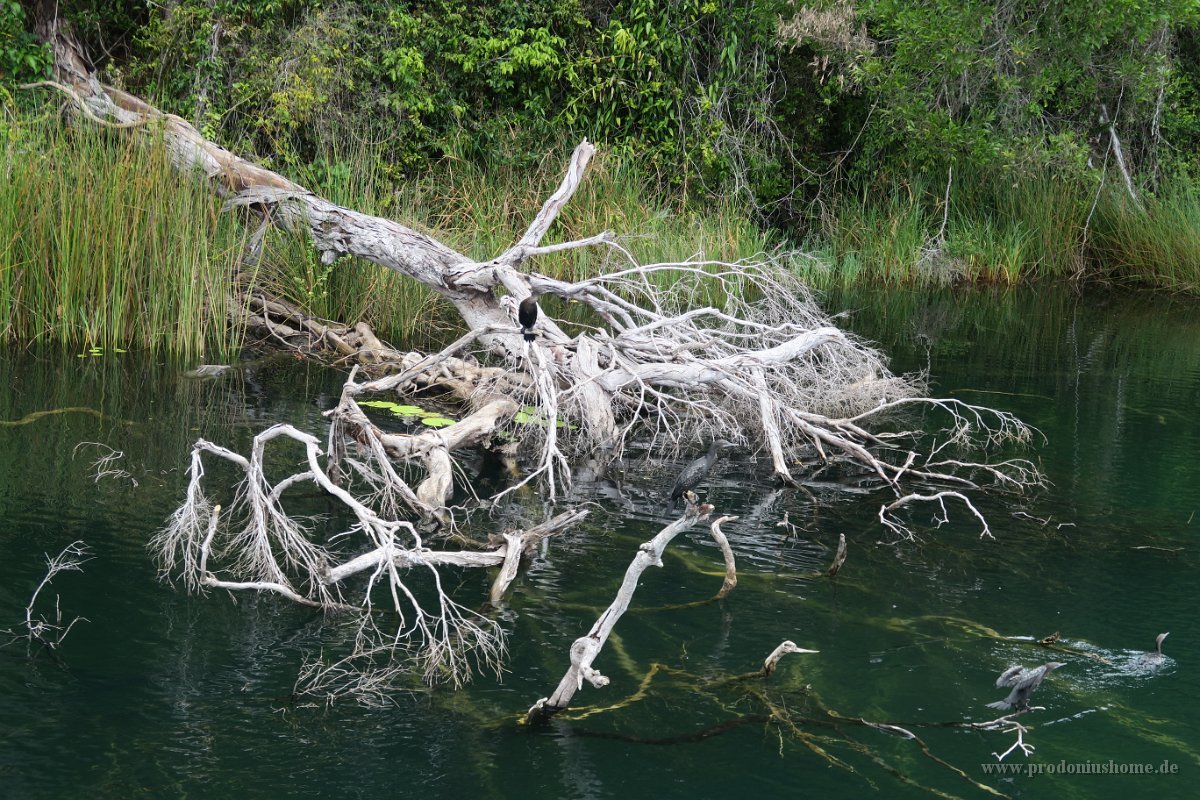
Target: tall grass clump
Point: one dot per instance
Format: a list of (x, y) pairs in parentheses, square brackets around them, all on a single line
[(103, 243), (1157, 244), (998, 228), (875, 234)]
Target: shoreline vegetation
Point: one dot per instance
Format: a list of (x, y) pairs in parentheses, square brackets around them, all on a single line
[(867, 144), (102, 244)]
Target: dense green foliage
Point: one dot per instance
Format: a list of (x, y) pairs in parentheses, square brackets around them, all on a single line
[(101, 245), (903, 141), (1017, 82), (22, 56), (671, 81), (777, 101)]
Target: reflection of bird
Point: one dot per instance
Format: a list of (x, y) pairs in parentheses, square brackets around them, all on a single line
[(697, 471), (1155, 658), (527, 314), (1023, 681)]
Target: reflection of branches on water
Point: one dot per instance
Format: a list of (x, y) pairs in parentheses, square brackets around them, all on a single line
[(34, 416), (369, 674), (1043, 521)]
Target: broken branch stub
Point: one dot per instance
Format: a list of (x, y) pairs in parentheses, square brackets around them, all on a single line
[(784, 648)]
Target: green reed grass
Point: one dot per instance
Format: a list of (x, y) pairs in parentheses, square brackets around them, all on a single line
[(103, 243), (873, 236), (1005, 228), (1157, 244)]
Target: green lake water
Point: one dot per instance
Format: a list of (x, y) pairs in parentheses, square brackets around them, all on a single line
[(162, 695)]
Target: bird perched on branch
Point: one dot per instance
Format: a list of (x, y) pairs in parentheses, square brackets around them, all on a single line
[(697, 471), (527, 314), (1023, 681)]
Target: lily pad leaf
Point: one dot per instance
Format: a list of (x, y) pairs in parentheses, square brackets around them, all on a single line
[(437, 422), (528, 415), (413, 411), (398, 409), (378, 404)]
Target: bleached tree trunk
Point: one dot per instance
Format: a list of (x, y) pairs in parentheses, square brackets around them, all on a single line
[(587, 647)]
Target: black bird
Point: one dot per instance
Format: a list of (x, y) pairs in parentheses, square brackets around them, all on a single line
[(697, 471), (1023, 681), (527, 314), (1155, 658)]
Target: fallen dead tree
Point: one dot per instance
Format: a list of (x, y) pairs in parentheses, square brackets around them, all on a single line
[(667, 353), (766, 367)]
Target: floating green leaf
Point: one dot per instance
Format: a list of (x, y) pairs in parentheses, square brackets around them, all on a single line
[(528, 415), (431, 418), (398, 409), (379, 404), (412, 411)]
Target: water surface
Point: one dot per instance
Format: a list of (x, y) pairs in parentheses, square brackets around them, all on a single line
[(159, 694)]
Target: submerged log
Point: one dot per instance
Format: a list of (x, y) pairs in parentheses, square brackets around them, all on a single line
[(587, 647)]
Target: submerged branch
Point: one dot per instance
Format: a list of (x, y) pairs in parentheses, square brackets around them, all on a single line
[(36, 626), (586, 648)]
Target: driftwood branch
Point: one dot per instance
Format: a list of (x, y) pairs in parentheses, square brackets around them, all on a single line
[(730, 581), (586, 649), (267, 549), (37, 627), (779, 652), (892, 523)]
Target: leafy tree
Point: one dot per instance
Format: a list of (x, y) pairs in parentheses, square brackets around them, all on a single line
[(1015, 82), (22, 57)]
